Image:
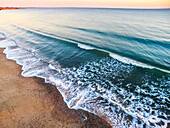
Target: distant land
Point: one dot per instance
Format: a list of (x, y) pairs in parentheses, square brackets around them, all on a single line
[(6, 8)]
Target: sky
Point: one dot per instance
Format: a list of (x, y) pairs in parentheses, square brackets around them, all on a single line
[(88, 3)]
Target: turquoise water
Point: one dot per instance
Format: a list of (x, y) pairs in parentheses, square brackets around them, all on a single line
[(111, 62)]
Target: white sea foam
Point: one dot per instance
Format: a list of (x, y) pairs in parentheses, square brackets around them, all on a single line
[(85, 47), (6, 42), (2, 36), (51, 66), (81, 91), (117, 57), (129, 61)]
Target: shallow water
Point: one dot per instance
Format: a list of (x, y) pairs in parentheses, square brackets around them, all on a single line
[(111, 62)]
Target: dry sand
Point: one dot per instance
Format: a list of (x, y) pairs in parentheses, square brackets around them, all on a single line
[(32, 103)]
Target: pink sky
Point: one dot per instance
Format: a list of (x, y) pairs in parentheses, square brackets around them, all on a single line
[(88, 3)]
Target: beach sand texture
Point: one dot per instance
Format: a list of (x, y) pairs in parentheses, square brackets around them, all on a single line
[(32, 103)]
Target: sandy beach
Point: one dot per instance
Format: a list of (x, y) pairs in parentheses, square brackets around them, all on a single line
[(32, 103)]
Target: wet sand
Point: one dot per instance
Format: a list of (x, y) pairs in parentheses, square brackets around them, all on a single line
[(32, 103)]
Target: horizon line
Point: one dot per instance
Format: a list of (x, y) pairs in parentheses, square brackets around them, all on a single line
[(91, 7)]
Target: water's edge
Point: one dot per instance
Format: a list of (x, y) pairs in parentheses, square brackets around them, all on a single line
[(33, 65), (13, 45)]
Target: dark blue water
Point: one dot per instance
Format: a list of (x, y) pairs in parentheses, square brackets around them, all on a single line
[(111, 62)]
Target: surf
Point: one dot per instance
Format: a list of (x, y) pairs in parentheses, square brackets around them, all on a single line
[(78, 86), (116, 67)]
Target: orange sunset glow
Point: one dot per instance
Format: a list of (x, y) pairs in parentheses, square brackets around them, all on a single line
[(88, 3)]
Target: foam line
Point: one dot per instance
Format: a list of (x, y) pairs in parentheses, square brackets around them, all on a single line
[(2, 35), (6, 43), (85, 47), (91, 47), (86, 87)]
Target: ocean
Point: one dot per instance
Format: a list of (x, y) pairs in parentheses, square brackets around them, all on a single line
[(114, 63)]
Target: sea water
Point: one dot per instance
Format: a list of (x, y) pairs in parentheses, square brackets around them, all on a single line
[(114, 63)]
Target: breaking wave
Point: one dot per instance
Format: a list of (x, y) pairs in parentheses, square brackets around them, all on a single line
[(127, 94)]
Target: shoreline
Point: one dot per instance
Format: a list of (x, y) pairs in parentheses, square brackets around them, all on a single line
[(30, 102)]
